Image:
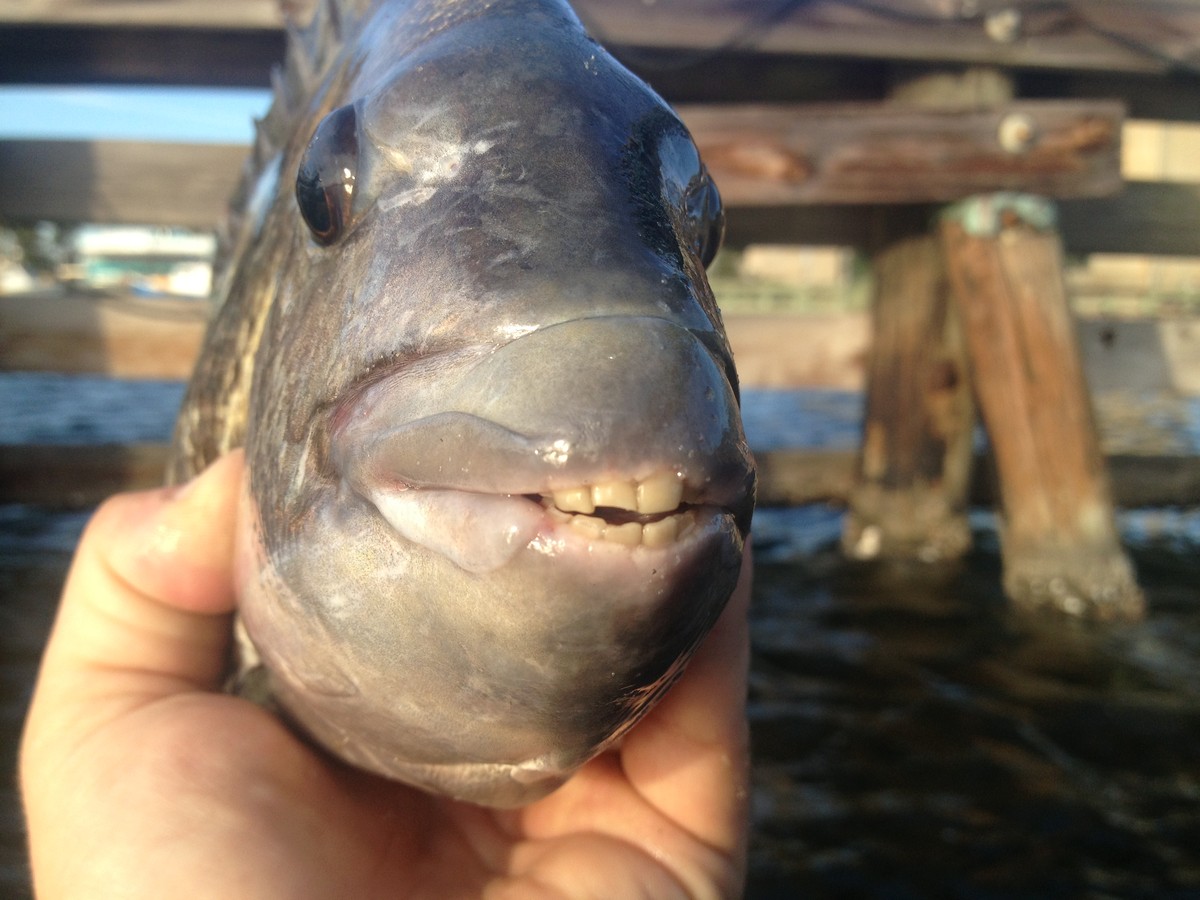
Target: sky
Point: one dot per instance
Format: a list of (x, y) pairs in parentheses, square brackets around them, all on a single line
[(204, 115)]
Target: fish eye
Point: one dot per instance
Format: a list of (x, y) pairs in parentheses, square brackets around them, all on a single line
[(700, 219), (325, 178), (706, 217)]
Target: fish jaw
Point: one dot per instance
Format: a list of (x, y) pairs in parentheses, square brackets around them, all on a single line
[(491, 688), (622, 427), (489, 592)]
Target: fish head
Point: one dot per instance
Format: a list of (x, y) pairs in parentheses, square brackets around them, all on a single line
[(498, 484)]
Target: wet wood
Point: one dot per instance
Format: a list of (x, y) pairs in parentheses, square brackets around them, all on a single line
[(118, 181), (135, 337), (229, 14), (759, 155), (1060, 540), (78, 477), (123, 336), (910, 501), (996, 32), (1105, 35), (896, 153)]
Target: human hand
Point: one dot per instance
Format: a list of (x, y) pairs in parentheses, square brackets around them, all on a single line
[(140, 779)]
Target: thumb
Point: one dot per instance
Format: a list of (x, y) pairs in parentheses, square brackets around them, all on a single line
[(146, 606)]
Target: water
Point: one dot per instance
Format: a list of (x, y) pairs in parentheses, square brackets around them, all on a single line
[(913, 738)]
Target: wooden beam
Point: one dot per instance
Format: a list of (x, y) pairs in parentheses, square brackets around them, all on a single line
[(119, 336), (227, 14), (1103, 35), (118, 181), (132, 337), (83, 54), (1061, 544), (919, 420), (759, 155), (1146, 217), (79, 476), (893, 153)]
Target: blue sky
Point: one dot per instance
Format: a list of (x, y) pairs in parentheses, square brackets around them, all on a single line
[(215, 115)]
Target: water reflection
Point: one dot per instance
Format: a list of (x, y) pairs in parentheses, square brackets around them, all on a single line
[(914, 738)]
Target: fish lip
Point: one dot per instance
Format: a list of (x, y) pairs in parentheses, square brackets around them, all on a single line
[(430, 423), (481, 533), (367, 470)]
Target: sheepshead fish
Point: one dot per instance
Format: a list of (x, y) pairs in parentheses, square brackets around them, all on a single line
[(497, 483)]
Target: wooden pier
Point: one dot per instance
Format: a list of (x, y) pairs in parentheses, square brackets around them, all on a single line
[(823, 122)]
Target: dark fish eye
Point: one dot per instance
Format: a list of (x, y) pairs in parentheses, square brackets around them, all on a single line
[(705, 216), (325, 178)]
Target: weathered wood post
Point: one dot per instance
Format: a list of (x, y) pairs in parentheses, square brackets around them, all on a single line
[(914, 469), (1060, 542)]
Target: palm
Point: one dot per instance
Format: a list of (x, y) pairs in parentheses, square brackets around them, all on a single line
[(287, 822), (132, 765)]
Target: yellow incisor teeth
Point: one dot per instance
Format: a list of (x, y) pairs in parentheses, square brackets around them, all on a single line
[(629, 534), (575, 500), (660, 533), (589, 526), (653, 496), (652, 535), (659, 493), (615, 494)]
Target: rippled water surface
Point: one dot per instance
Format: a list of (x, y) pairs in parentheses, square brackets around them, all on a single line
[(912, 737)]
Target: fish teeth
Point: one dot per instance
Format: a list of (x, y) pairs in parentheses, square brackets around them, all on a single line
[(660, 533), (659, 493), (615, 494), (575, 500), (652, 535)]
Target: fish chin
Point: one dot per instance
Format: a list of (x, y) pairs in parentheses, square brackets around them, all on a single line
[(490, 687)]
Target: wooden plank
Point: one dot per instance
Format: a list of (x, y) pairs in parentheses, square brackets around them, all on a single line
[(1099, 35), (79, 334), (57, 180), (891, 153), (77, 476), (140, 338), (758, 154), (118, 181), (227, 14), (74, 476), (1146, 217), (81, 54), (1102, 35)]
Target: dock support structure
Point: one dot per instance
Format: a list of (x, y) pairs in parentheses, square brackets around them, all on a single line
[(1061, 548), (914, 468)]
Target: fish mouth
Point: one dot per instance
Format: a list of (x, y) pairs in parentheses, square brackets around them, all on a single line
[(554, 444), (641, 521)]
